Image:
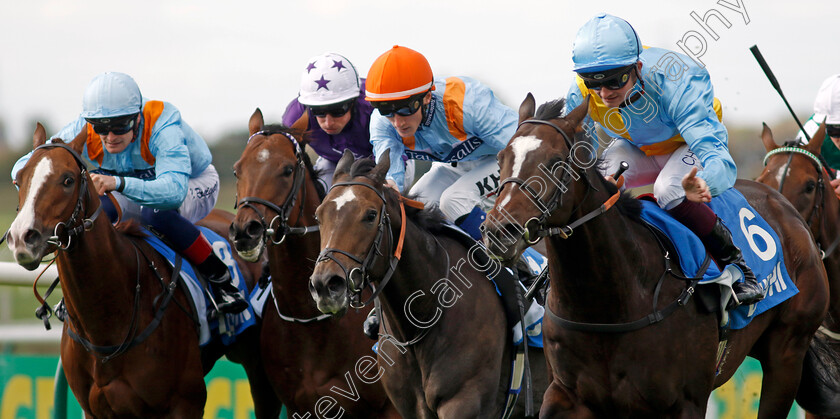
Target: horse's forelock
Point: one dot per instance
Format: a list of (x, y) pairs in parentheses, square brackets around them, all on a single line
[(551, 110)]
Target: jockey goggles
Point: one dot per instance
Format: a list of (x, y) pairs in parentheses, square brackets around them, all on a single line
[(118, 125), (832, 130), (336, 110), (405, 107), (610, 79)]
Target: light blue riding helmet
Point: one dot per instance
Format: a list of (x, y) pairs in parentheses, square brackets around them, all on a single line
[(605, 42), (111, 94)]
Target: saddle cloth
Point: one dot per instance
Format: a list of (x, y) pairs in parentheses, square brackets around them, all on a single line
[(227, 326), (758, 242)]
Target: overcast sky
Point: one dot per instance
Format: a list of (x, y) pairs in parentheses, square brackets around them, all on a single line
[(218, 60)]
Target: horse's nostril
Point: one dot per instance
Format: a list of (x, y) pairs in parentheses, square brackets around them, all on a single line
[(336, 284), (32, 237), (254, 229)]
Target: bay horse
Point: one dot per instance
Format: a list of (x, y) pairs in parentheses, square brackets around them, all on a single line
[(136, 347), (608, 271), (444, 349), (309, 356), (800, 173)]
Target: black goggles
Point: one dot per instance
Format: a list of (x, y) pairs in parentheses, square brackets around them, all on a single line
[(833, 130), (117, 125), (336, 110), (610, 79), (405, 107)]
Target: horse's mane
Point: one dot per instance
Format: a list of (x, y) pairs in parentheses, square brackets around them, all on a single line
[(430, 218), (627, 205), (551, 110)]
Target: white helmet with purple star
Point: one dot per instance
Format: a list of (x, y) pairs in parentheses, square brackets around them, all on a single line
[(328, 79)]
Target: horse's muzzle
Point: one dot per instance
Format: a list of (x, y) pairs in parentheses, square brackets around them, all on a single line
[(504, 241), (248, 239), (28, 248), (329, 291)]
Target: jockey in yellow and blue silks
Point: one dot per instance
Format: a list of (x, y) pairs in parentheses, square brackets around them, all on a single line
[(659, 108), (158, 169)]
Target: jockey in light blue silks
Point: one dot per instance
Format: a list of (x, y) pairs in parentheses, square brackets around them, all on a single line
[(158, 169), (659, 108)]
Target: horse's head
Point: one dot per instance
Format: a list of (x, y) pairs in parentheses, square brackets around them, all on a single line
[(539, 166), (795, 170), (270, 178), (54, 199), (355, 233)]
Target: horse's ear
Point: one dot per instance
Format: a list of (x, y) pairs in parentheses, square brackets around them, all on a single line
[(817, 139), (378, 173), (575, 117), (39, 137), (302, 124), (78, 143), (767, 138), (526, 109), (256, 123), (342, 168)]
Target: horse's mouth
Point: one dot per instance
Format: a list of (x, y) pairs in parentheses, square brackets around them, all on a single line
[(29, 260), (250, 254), (508, 254), (334, 306)]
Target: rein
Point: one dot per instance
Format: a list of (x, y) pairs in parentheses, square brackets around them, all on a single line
[(819, 202), (283, 211), (566, 231)]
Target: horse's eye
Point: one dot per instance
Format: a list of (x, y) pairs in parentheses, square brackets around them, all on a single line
[(810, 186), (235, 175), (317, 220), (68, 181), (370, 216), (287, 170)]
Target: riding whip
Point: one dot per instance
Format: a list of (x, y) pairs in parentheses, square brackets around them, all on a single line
[(769, 73)]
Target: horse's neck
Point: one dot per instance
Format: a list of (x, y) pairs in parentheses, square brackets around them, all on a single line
[(98, 278), (422, 263), (292, 261), (828, 224), (604, 263)]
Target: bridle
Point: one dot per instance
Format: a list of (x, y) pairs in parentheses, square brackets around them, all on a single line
[(77, 223), (556, 198), (280, 223), (132, 338), (358, 278), (818, 162)]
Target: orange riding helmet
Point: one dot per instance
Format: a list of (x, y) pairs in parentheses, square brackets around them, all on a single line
[(398, 74)]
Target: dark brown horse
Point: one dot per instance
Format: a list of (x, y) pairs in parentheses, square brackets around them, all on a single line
[(444, 351), (608, 269), (137, 352), (309, 356), (800, 174)]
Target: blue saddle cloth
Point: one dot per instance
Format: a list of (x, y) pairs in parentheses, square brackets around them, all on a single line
[(758, 242), (228, 326)]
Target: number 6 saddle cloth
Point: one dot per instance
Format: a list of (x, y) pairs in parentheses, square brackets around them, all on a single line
[(758, 242)]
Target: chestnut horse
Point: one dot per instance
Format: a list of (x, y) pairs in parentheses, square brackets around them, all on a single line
[(445, 350), (608, 271), (136, 351), (800, 174), (309, 356)]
